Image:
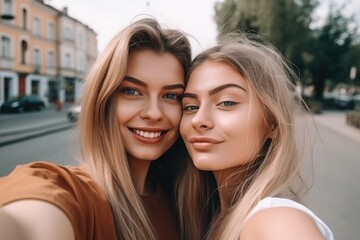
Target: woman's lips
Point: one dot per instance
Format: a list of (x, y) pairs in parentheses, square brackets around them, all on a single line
[(203, 143), (148, 135)]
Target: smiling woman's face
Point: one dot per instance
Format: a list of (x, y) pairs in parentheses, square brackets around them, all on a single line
[(222, 123), (149, 104)]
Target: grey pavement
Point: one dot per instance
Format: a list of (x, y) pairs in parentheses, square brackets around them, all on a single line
[(336, 121), (34, 129)]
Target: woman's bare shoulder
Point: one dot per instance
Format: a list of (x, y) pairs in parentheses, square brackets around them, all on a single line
[(34, 219), (280, 223)]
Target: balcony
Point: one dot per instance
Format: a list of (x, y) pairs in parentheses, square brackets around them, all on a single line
[(51, 70), (7, 16), (6, 62), (36, 69)]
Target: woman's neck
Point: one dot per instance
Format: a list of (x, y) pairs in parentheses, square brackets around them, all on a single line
[(228, 180), (139, 173)]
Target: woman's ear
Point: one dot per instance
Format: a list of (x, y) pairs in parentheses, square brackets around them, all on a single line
[(272, 131)]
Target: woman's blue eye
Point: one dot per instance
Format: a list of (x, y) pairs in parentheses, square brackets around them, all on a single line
[(190, 108), (227, 103), (130, 91), (172, 96)]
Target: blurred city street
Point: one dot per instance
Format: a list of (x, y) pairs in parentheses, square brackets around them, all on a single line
[(334, 195), (32, 136), (15, 127), (335, 192)]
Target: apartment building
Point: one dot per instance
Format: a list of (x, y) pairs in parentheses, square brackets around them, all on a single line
[(43, 51)]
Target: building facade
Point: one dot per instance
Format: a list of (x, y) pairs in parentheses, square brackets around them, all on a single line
[(43, 51)]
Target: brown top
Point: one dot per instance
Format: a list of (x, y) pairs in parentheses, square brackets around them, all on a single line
[(159, 211), (79, 197)]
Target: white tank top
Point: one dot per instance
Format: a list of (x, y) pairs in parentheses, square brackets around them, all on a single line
[(271, 202)]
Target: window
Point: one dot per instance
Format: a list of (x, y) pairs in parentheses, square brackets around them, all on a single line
[(5, 47), (81, 64), (80, 38), (51, 59), (37, 26), (24, 18), (37, 57), (35, 87), (51, 32), (24, 47), (67, 60), (7, 9), (67, 33)]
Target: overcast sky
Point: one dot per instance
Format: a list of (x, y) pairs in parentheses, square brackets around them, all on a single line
[(107, 17)]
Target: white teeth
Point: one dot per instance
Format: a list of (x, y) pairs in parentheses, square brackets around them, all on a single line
[(147, 134)]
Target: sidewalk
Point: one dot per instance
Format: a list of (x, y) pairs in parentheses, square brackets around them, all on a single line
[(16, 133), (28, 133), (336, 121)]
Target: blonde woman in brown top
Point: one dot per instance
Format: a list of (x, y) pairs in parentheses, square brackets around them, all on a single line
[(131, 110)]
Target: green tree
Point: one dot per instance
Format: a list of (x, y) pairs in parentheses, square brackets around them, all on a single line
[(285, 22), (352, 59), (331, 50), (234, 15), (322, 53)]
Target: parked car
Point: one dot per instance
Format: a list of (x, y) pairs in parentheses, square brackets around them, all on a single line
[(23, 103), (345, 101), (356, 98), (73, 113), (345, 96)]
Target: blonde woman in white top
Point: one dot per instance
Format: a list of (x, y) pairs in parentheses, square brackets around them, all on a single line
[(238, 124)]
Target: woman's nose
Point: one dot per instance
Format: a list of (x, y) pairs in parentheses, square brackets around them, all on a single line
[(151, 110), (202, 120)]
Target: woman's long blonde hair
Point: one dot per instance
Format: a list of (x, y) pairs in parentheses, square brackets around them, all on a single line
[(275, 166), (102, 147)]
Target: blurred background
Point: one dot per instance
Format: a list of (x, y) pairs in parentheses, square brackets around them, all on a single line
[(48, 47)]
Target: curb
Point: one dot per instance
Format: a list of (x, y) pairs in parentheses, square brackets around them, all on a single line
[(29, 129), (21, 135)]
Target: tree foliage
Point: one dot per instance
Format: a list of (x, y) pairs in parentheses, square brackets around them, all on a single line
[(318, 53), (331, 49), (285, 22)]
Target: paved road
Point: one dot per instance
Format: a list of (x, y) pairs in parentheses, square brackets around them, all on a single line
[(335, 193), (59, 147), (15, 127)]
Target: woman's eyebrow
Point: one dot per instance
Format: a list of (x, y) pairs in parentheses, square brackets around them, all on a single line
[(189, 95), (222, 87), (135, 80), (174, 86), (141, 83), (215, 90)]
